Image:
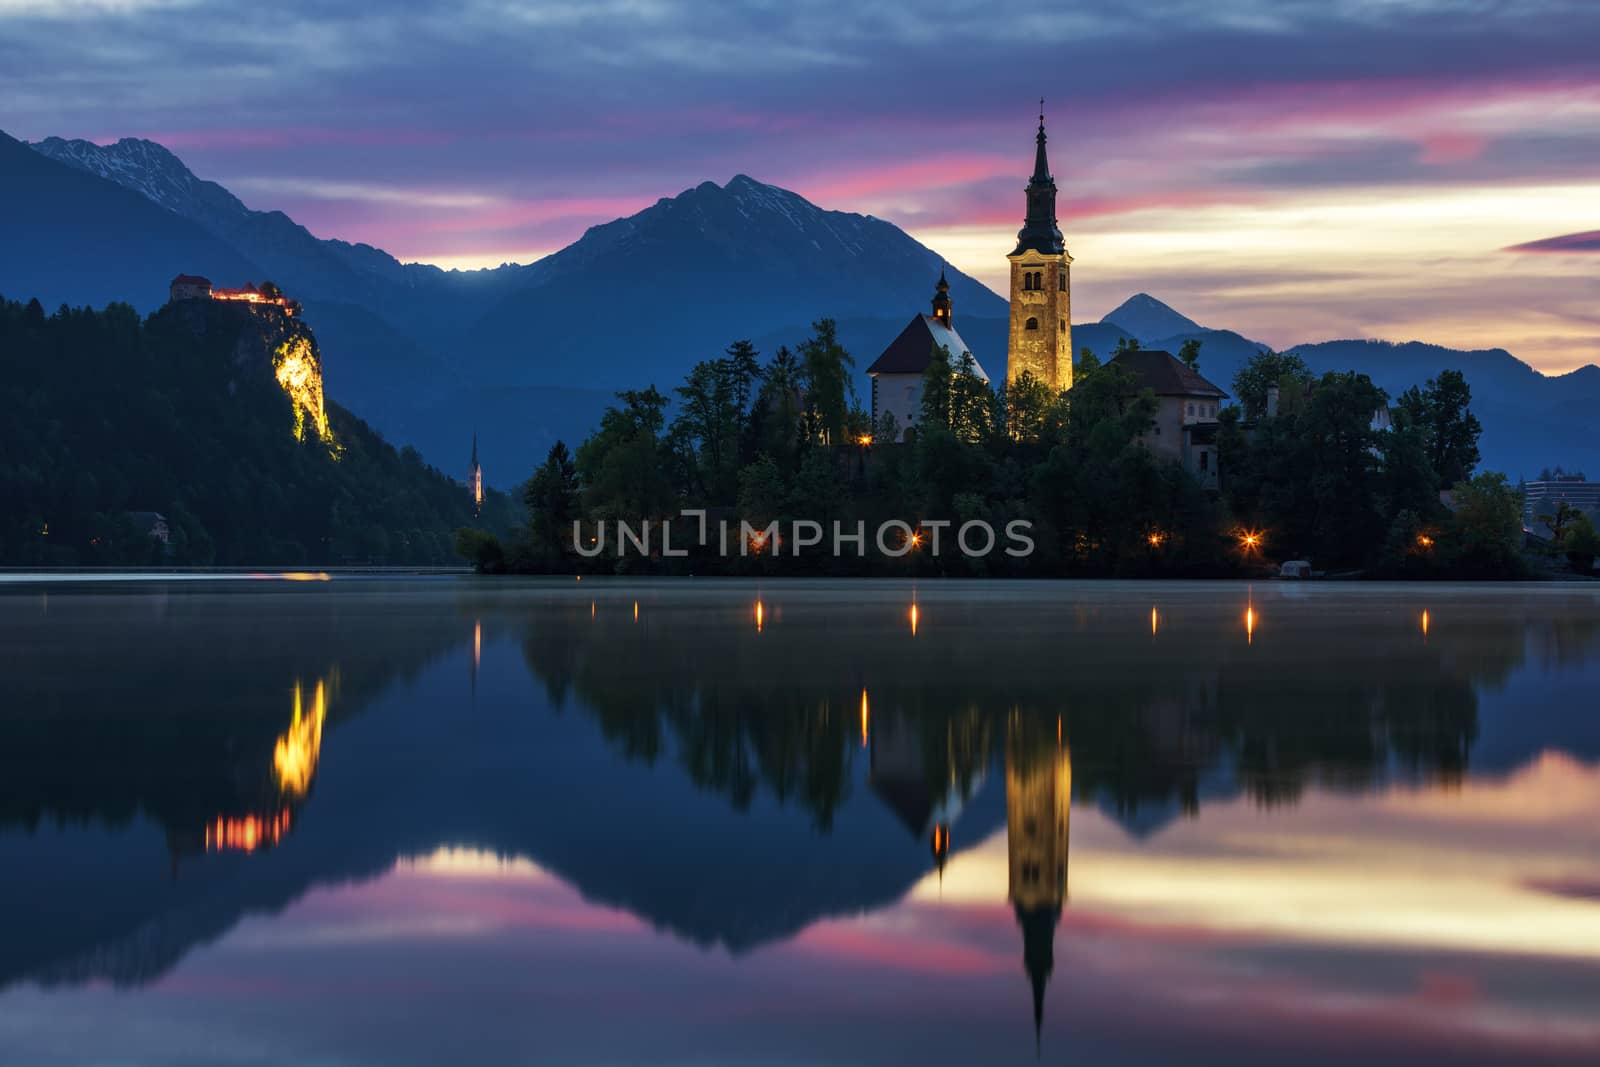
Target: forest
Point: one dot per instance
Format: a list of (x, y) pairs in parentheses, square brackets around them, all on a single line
[(1314, 475), (192, 414)]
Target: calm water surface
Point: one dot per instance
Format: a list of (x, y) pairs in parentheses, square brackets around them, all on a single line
[(473, 821)]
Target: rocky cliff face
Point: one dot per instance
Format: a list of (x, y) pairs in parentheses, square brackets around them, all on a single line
[(267, 345)]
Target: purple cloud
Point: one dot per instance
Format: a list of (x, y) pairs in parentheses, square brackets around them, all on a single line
[(1588, 241)]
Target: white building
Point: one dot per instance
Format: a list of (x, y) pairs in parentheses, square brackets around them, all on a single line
[(897, 373)]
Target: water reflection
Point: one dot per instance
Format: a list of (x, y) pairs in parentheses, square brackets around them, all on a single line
[(709, 779)]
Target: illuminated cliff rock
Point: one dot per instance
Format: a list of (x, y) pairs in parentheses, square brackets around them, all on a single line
[(299, 373), (294, 757)]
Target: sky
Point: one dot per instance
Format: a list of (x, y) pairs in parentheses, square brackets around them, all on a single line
[(1296, 170)]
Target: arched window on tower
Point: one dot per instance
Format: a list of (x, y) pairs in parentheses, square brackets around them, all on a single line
[(1063, 280), (1038, 279), (1031, 324)]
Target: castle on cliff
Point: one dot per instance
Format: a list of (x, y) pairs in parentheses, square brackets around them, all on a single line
[(194, 287)]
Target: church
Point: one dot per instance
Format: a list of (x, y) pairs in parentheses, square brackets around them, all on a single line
[(1041, 323), (1039, 342)]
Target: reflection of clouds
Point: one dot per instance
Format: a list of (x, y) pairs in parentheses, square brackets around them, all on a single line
[(1348, 870), (450, 861), (1554, 788), (260, 937)]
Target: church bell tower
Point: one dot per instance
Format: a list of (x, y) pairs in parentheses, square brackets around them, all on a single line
[(1041, 304)]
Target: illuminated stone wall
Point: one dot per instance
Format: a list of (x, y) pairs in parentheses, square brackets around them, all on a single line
[(1047, 351), (1038, 812)]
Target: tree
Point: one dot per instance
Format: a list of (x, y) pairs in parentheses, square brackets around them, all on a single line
[(1582, 543), (777, 420), (1190, 353), (1409, 482), (1126, 345), (1486, 528), (551, 497), (1441, 408), (819, 491), (1557, 523), (762, 492), (622, 464), (936, 386), (709, 417), (827, 369), (971, 401), (1026, 402), (1261, 373), (744, 372), (480, 548)]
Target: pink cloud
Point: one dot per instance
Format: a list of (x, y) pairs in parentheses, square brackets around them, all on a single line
[(908, 950), (1447, 148)]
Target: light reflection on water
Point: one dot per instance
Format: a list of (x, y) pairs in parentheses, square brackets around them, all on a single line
[(650, 830)]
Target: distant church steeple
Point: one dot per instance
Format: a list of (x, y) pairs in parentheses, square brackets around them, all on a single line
[(477, 477), (941, 300), (1041, 300)]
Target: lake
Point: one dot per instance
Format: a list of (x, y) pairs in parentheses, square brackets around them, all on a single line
[(279, 819)]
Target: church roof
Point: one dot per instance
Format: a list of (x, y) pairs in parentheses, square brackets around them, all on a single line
[(910, 352), (1164, 374)]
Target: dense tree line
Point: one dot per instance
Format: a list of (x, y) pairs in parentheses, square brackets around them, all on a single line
[(108, 415), (1328, 482), (1319, 477)]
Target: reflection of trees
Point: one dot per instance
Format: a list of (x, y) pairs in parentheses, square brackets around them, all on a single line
[(730, 731), (1314, 698)]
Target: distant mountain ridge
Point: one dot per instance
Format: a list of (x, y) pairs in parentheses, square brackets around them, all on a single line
[(527, 354)]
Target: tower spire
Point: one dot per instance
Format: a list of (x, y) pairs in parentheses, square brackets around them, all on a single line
[(477, 477), (941, 299), (1039, 230), (1041, 165)]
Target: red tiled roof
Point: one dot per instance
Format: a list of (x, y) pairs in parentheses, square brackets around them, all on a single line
[(1164, 374), (191, 279)]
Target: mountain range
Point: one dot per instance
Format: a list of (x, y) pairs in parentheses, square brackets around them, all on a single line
[(524, 355)]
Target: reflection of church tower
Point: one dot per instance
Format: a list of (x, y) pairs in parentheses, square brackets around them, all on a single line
[(1041, 298), (1038, 806)]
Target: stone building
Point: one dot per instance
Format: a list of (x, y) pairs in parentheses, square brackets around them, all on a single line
[(1041, 297), (1185, 426), (189, 287), (897, 373)]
